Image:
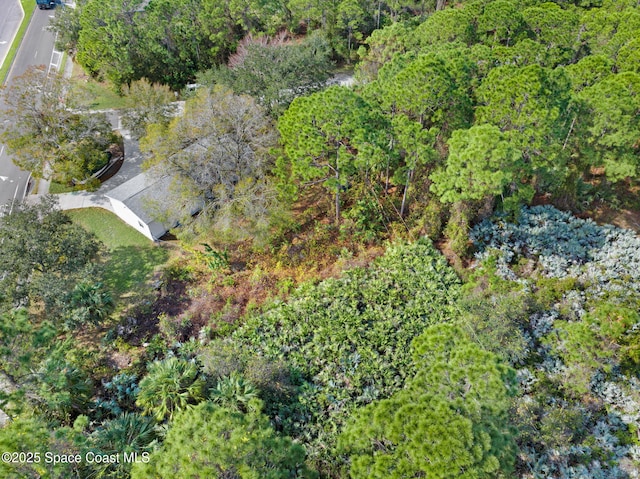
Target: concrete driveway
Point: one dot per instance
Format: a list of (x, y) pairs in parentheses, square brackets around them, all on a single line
[(132, 165)]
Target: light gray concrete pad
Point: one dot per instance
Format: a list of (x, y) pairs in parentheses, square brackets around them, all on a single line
[(77, 199)]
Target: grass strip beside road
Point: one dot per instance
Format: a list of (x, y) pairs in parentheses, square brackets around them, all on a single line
[(57, 188), (96, 95), (63, 62), (29, 6)]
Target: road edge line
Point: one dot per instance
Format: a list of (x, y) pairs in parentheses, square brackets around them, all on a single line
[(5, 69)]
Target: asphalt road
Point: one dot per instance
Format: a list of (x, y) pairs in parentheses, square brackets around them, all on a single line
[(9, 24), (36, 49)]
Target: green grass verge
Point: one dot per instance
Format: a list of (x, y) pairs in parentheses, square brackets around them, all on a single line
[(29, 6), (96, 95), (57, 188), (132, 257), (63, 63)]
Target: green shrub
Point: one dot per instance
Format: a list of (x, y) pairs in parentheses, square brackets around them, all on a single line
[(350, 338)]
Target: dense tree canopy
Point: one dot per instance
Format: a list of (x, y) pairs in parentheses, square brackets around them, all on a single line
[(481, 163), (530, 103), (104, 41), (172, 41), (330, 136), (394, 367), (217, 442), (129, 41), (41, 246), (32, 433), (613, 104), (48, 136), (153, 104), (217, 153), (275, 71), (450, 421)]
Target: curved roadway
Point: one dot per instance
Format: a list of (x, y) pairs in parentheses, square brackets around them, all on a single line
[(9, 24), (36, 49)]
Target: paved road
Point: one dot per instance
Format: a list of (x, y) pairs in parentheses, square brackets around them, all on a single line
[(36, 49), (9, 24)]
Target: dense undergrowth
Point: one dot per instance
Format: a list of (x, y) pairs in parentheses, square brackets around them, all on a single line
[(578, 373), (305, 324)]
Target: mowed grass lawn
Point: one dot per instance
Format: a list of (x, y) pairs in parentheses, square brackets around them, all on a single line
[(96, 95), (132, 256)]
